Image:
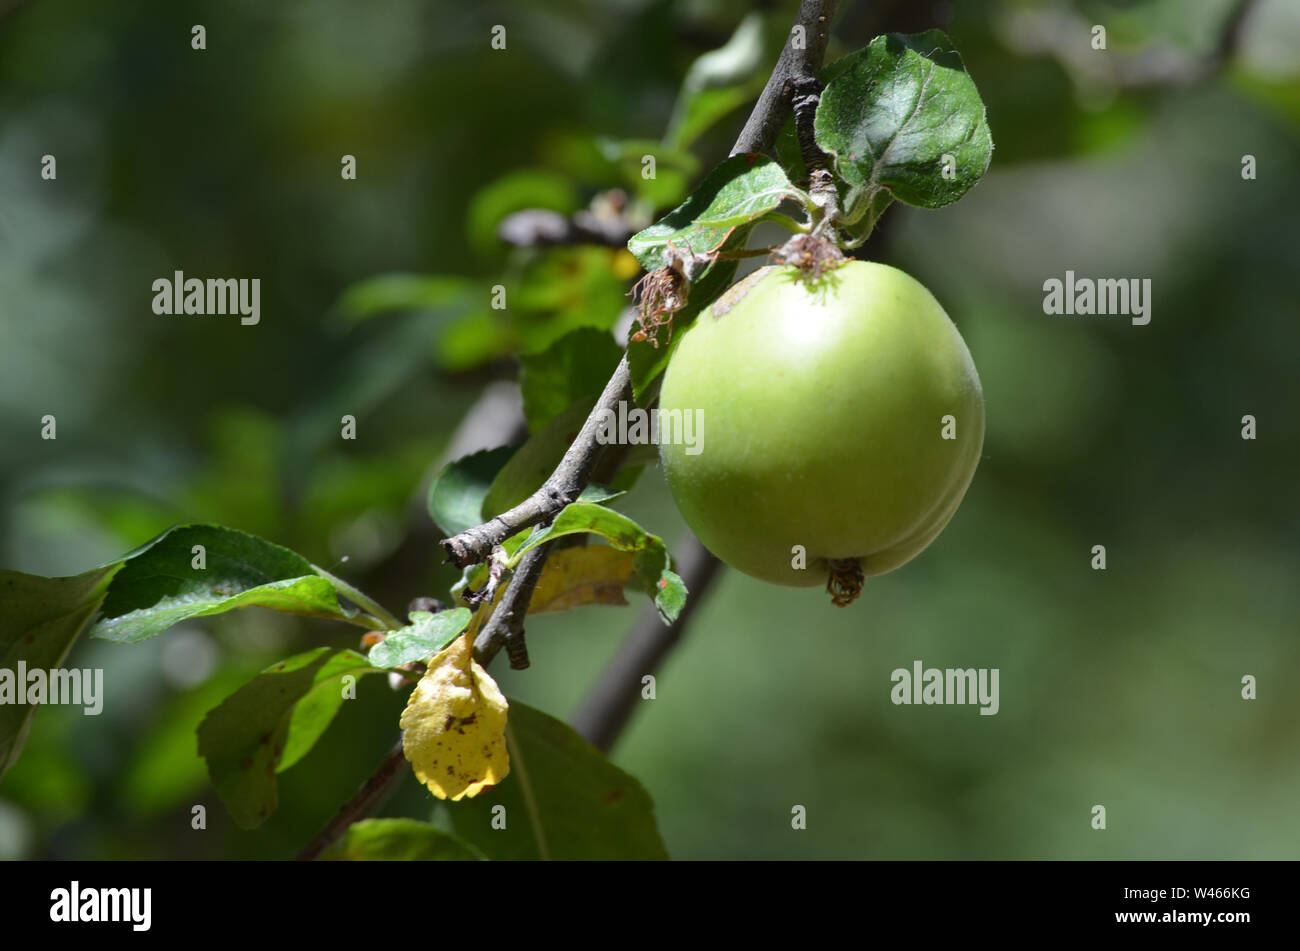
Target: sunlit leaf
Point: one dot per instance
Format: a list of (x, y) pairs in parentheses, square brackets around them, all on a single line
[(904, 115), (427, 634), (738, 192), (166, 581)]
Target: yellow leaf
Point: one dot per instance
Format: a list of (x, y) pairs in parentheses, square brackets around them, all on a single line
[(455, 725), (576, 576)]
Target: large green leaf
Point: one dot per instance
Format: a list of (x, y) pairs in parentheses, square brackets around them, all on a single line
[(653, 573), (904, 115), (457, 493), (159, 586), (577, 365), (269, 724), (398, 840), (425, 635), (563, 800), (40, 619), (740, 191)]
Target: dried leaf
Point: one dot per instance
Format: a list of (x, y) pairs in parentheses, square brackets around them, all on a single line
[(577, 576)]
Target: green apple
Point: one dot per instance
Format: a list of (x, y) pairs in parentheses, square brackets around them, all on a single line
[(840, 423)]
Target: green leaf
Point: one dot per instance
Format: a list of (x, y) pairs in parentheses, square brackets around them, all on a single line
[(674, 169), (739, 191), (670, 595), (653, 573), (40, 619), (426, 635), (456, 496), (864, 208), (717, 83), (563, 800), (388, 293), (577, 365), (398, 840), (270, 723), (159, 586), (904, 115), (535, 460), (516, 191), (595, 492)]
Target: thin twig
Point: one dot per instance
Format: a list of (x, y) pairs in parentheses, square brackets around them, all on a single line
[(506, 626), (563, 486), (356, 807)]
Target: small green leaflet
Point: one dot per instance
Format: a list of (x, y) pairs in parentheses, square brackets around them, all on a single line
[(740, 191), (424, 636)]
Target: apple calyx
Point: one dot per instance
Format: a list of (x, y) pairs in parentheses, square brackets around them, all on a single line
[(845, 581)]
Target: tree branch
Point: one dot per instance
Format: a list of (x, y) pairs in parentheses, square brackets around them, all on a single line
[(805, 96), (506, 626), (773, 104), (608, 707), (563, 486), (355, 808), (1063, 34)]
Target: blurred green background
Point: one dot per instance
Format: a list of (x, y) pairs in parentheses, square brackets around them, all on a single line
[(1118, 687)]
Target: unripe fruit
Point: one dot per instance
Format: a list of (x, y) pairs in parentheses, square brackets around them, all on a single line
[(824, 411)]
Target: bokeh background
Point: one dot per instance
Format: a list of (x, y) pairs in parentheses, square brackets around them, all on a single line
[(1119, 687)]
